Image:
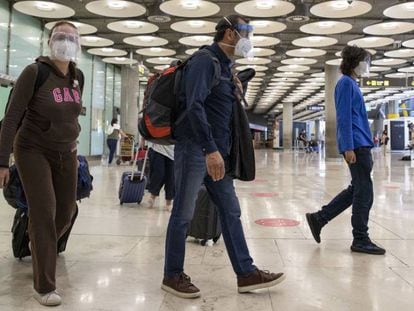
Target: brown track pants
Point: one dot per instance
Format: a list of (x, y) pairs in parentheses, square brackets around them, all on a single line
[(49, 180)]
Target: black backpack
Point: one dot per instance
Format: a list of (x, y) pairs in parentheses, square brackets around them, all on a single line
[(13, 191), (161, 107), (84, 184), (43, 71)]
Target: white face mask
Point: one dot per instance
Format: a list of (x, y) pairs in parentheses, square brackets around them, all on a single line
[(64, 47), (362, 70), (244, 48)]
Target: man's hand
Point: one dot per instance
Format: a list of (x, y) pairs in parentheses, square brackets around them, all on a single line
[(239, 88), (215, 166), (4, 176), (350, 157)]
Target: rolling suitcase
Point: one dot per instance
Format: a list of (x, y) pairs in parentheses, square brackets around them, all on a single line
[(20, 235), (132, 187), (205, 224)]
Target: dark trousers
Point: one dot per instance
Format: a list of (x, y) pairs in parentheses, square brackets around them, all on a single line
[(112, 143), (49, 180), (190, 173), (360, 194), (161, 174)]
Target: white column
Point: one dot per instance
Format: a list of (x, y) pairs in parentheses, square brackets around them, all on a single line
[(129, 100), (287, 125), (332, 75)]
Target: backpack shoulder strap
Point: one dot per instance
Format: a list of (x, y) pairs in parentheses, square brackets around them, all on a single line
[(81, 78), (216, 62), (41, 77), (43, 72)]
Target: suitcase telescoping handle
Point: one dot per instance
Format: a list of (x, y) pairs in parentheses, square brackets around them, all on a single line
[(144, 164), (135, 163)]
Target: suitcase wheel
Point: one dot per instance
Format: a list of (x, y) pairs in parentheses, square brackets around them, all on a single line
[(216, 239), (139, 202), (121, 202), (118, 162), (203, 242)]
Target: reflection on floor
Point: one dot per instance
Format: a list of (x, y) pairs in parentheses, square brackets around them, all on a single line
[(115, 255)]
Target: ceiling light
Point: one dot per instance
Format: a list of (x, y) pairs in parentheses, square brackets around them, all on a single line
[(326, 24), (340, 5), (147, 38), (190, 4), (315, 39), (260, 24), (107, 50), (91, 39), (264, 4), (259, 38), (371, 39), (133, 24), (117, 5), (120, 59), (44, 6), (196, 24), (389, 25), (201, 38)]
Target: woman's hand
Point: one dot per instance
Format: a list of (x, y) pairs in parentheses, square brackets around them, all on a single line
[(4, 176)]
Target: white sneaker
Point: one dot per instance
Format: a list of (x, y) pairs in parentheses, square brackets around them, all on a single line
[(151, 202), (49, 299)]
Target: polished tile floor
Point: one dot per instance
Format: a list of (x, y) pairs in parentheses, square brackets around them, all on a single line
[(115, 255)]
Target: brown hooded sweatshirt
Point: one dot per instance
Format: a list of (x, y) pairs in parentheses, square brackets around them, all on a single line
[(50, 116)]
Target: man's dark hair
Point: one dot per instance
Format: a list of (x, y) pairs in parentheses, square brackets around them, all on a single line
[(351, 56), (222, 25), (114, 121)]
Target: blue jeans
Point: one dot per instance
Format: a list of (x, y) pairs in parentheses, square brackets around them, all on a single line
[(161, 174), (112, 143), (360, 194), (190, 173)]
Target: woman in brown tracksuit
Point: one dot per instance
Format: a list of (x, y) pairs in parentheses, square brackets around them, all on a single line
[(44, 148)]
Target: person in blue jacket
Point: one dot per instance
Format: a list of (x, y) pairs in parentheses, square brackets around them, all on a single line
[(355, 142), (202, 156)]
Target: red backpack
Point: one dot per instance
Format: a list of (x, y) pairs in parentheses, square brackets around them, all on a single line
[(161, 107)]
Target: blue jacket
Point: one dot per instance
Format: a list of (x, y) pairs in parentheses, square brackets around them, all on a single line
[(352, 129), (208, 105)]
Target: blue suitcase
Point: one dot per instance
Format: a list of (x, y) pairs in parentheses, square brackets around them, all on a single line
[(132, 187)]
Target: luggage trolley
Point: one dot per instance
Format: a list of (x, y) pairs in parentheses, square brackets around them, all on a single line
[(127, 150)]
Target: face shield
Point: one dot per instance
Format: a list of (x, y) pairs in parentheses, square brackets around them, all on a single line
[(244, 30), (363, 68), (64, 46)]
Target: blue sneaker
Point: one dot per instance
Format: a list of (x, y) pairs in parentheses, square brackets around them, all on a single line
[(367, 248)]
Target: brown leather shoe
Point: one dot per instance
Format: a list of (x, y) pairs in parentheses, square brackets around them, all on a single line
[(180, 286), (258, 279)]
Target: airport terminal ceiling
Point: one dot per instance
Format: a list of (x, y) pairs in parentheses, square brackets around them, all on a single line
[(293, 40)]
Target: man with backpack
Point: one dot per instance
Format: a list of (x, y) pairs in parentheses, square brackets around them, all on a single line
[(202, 134)]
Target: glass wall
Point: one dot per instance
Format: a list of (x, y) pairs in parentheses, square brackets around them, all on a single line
[(109, 94), (25, 47), (85, 64), (4, 24), (98, 107)]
